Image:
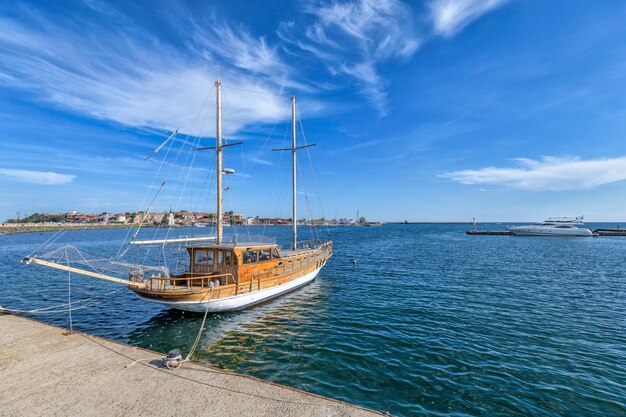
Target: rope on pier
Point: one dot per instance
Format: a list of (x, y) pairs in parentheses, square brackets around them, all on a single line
[(219, 387), (69, 294), (174, 359), (195, 343)]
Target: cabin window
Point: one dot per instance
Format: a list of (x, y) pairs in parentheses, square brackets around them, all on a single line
[(224, 257), (204, 257), (264, 255), (249, 256), (201, 257), (275, 254)]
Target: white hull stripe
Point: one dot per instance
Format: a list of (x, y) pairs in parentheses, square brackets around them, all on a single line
[(241, 301)]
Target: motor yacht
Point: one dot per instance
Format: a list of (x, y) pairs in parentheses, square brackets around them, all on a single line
[(554, 226)]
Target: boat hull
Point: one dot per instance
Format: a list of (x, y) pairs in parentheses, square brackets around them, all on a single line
[(239, 302), (550, 232)]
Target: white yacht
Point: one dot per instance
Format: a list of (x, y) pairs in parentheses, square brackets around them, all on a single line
[(554, 226)]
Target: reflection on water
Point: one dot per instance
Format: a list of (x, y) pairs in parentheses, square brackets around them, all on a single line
[(224, 337), (429, 321)]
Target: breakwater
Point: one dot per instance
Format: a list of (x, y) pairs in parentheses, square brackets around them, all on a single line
[(596, 232), (11, 228)]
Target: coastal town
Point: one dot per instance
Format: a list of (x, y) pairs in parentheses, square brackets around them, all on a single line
[(181, 218)]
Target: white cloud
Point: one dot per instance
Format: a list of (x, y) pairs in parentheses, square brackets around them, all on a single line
[(260, 161), (220, 44), (450, 16), (355, 37), (36, 177), (547, 174), (112, 68), (122, 73)]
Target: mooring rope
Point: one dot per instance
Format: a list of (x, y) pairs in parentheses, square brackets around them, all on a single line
[(206, 312), (69, 292)]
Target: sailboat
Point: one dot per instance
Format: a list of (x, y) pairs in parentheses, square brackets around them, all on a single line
[(221, 275)]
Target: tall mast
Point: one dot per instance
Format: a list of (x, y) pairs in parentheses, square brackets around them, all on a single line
[(218, 150), (293, 150), (293, 170)]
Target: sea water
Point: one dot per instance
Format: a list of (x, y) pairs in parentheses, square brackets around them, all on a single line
[(406, 319)]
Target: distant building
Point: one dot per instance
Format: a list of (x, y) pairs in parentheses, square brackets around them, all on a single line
[(118, 218), (276, 221), (190, 217), (149, 218)]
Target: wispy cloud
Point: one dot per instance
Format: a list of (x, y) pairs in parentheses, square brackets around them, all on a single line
[(355, 37), (547, 174), (123, 73), (36, 177), (450, 16), (102, 63), (260, 161), (235, 47)]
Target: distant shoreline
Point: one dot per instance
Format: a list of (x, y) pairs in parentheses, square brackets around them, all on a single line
[(14, 228), (11, 228)]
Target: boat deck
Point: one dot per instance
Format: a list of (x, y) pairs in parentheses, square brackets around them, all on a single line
[(45, 373)]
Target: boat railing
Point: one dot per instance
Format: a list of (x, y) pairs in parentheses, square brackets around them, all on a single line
[(301, 262), (240, 239), (165, 283), (311, 244)]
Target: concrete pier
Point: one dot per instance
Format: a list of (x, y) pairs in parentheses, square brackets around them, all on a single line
[(597, 232), (46, 373), (488, 232)]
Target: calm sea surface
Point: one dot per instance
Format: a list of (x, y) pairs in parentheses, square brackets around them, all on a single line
[(429, 321)]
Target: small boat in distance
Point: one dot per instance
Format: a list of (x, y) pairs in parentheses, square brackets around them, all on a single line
[(373, 224), (554, 227)]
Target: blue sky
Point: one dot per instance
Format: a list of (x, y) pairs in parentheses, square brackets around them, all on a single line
[(428, 110)]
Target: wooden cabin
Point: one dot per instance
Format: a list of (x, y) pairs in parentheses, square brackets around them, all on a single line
[(231, 269)]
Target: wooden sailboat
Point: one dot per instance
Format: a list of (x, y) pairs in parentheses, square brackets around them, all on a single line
[(223, 276)]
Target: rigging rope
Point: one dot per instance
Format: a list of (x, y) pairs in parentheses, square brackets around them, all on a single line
[(104, 197), (319, 197), (193, 152), (73, 255), (255, 91), (120, 254), (52, 309), (277, 174)]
